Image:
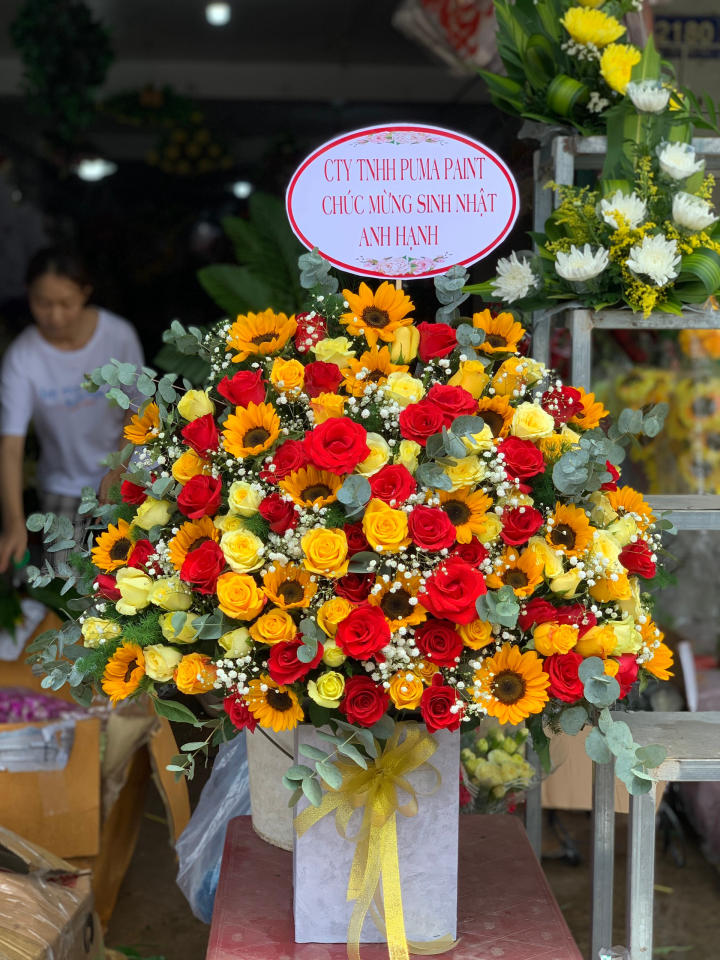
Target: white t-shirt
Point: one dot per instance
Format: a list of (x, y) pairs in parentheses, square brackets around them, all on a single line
[(75, 429)]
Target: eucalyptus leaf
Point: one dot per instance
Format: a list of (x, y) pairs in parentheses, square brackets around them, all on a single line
[(313, 791), (591, 667), (467, 426), (383, 728), (330, 774), (314, 753), (352, 753), (602, 691), (573, 719), (298, 771), (652, 755), (596, 747), (619, 737)]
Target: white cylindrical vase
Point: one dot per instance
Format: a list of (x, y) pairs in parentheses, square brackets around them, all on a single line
[(272, 819)]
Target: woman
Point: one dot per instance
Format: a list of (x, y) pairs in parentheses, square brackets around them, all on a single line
[(41, 379)]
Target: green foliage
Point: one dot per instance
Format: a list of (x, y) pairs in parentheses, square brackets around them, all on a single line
[(450, 291), (144, 630), (499, 606), (258, 525)]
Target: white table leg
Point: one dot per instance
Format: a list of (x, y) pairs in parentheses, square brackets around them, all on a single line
[(641, 875), (603, 856)]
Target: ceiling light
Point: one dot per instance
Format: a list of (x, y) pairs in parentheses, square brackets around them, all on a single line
[(242, 189), (218, 14), (94, 168)]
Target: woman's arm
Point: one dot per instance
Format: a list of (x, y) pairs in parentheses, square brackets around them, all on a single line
[(13, 541)]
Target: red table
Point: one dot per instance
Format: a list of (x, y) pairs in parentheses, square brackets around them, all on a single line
[(506, 908)]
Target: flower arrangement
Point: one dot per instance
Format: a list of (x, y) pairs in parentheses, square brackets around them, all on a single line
[(495, 768), (363, 517)]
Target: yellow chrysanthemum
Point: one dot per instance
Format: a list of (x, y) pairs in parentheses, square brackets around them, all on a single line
[(142, 429), (275, 707), (512, 685), (497, 414), (616, 65), (123, 672), (502, 333), (309, 486), (626, 500), (569, 530), (592, 413), (191, 535), (394, 598), (377, 315), (521, 571), (467, 509), (259, 334), (592, 26), (373, 366), (289, 587), (112, 547), (251, 430)]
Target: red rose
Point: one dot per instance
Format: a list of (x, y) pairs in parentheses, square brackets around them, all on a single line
[(627, 672), (541, 611), (363, 633), (202, 567), (392, 484), (437, 705), (311, 329), (418, 421), (473, 552), (132, 493), (106, 587), (562, 668), (519, 524), (140, 553), (201, 435), (614, 473), (364, 702), (452, 402), (337, 445), (289, 457), (280, 514), (522, 458), (431, 528), (439, 641), (355, 587), (200, 496), (240, 716), (561, 403), (284, 665), (322, 378), (247, 386), (356, 539), (436, 340), (637, 558), (450, 593)]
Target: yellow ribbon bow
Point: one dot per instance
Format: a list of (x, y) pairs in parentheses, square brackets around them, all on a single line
[(376, 853)]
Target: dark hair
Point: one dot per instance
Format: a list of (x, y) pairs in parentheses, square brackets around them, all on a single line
[(60, 261)]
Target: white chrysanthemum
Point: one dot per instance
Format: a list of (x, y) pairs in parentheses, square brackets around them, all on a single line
[(656, 258), (650, 96), (678, 161), (630, 205), (691, 212), (514, 280), (579, 265)]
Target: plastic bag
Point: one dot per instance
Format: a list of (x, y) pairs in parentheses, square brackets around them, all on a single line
[(200, 847)]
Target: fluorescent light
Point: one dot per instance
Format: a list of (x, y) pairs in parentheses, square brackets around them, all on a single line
[(218, 14), (242, 189), (94, 168)]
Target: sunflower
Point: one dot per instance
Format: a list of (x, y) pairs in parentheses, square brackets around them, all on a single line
[(466, 509), (395, 600), (642, 385), (311, 487), (112, 547), (700, 344), (626, 500), (289, 587), (697, 405), (512, 685), (502, 332), (377, 315), (373, 366), (123, 672), (251, 430), (592, 413), (497, 414), (275, 706), (569, 530), (260, 334), (191, 535), (142, 429), (521, 571)]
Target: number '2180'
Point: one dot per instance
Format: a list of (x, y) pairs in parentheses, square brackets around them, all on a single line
[(690, 31)]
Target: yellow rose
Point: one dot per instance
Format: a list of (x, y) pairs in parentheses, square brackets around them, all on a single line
[(406, 690), (632, 605), (325, 552), (404, 345), (628, 638), (552, 563), (152, 513), (332, 613), (239, 596), (602, 512), (404, 388), (604, 549), (243, 499), (236, 643), (514, 373), (243, 550), (327, 690), (407, 455), (189, 465), (327, 405), (477, 442), (96, 630), (554, 638), (195, 674), (488, 528), (134, 587), (566, 584), (531, 422), (332, 654), (379, 455), (287, 376), (425, 669), (623, 530), (334, 350), (471, 376), (161, 661), (597, 642), (476, 634), (466, 472), (170, 593), (611, 667), (194, 404), (614, 587), (228, 522), (273, 627), (186, 634), (386, 529)]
